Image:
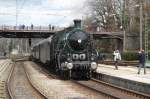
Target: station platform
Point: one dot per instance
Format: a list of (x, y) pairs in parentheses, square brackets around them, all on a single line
[(126, 77)]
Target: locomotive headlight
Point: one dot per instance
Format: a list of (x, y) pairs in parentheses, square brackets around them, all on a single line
[(69, 65), (79, 41), (93, 65)]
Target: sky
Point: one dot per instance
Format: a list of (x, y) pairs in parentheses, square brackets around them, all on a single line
[(41, 12)]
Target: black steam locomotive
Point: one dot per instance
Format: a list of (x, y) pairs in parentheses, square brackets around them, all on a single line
[(69, 53)]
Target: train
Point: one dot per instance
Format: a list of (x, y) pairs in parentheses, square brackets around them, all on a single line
[(69, 53)]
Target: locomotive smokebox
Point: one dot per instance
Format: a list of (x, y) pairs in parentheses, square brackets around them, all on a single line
[(77, 23)]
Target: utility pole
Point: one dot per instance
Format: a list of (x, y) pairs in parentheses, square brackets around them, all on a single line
[(124, 25), (16, 13), (146, 37), (141, 25)]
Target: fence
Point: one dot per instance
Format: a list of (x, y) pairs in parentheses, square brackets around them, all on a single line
[(22, 27)]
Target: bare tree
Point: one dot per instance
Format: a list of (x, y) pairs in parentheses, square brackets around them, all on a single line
[(106, 13)]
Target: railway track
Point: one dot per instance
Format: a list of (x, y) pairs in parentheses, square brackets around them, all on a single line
[(19, 86), (56, 88), (92, 87), (110, 91), (5, 68)]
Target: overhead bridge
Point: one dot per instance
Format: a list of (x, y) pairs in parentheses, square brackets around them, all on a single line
[(28, 32), (113, 35), (45, 32)]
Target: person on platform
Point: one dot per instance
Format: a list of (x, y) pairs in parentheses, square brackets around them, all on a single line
[(117, 57), (32, 26), (49, 27), (141, 56)]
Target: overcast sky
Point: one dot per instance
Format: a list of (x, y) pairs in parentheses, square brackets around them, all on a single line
[(41, 12)]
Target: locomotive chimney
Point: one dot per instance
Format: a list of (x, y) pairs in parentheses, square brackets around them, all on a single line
[(77, 23)]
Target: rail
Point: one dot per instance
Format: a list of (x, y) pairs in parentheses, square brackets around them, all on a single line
[(34, 92), (33, 85), (4, 72), (97, 78), (107, 95), (29, 28), (7, 83)]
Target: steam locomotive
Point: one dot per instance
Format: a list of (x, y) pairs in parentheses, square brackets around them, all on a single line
[(69, 53)]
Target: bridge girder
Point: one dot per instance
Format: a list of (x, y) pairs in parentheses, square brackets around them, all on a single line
[(23, 34)]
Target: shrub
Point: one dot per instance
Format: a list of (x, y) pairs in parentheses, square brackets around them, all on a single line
[(107, 56), (130, 56), (148, 55)]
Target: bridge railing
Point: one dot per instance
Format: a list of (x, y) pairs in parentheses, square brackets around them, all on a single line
[(29, 28)]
